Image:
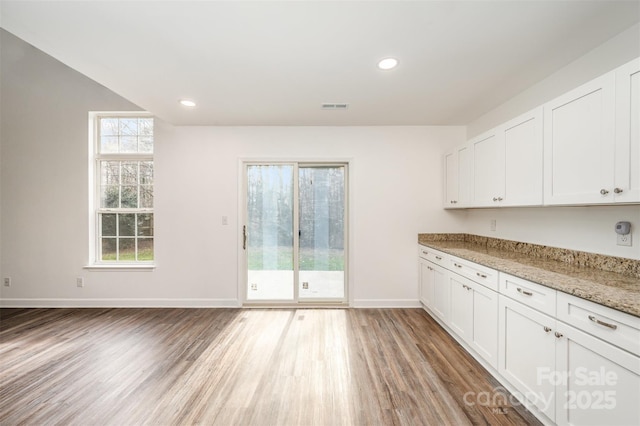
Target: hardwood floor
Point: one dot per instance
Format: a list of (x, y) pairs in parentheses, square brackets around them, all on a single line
[(241, 367)]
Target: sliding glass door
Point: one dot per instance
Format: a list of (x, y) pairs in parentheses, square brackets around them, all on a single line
[(295, 232)]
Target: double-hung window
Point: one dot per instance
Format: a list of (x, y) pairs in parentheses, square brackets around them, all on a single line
[(123, 189)]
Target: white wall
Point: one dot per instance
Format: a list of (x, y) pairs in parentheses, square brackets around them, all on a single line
[(396, 181), (578, 228)]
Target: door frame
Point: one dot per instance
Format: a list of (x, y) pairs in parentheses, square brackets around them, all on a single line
[(346, 301)]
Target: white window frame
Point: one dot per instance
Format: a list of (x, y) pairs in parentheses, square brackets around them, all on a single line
[(95, 157)]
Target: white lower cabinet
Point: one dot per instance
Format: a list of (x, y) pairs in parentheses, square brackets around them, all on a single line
[(570, 376), (434, 288), (441, 294), (597, 383), (474, 316), (576, 362), (526, 352)]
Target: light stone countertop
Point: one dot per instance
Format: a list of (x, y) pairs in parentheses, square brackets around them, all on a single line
[(611, 289)]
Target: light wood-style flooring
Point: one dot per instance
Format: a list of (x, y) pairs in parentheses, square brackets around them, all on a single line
[(241, 367)]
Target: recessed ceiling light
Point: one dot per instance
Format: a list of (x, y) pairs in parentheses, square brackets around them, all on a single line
[(388, 63), (187, 103)]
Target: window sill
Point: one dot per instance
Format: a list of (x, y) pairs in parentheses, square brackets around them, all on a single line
[(121, 267)]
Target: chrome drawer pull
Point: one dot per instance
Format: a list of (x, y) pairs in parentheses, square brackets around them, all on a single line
[(424, 252), (547, 329), (457, 266), (438, 257), (558, 335), (606, 324), (525, 292), (481, 275)]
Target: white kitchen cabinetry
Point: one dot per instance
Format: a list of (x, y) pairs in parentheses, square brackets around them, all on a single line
[(526, 350), (474, 316), (488, 169), (579, 134), (457, 164), (627, 146), (523, 148), (572, 376), (597, 383), (508, 163), (426, 282), (441, 294)]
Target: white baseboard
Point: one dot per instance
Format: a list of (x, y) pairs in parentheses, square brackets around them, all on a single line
[(386, 303), (120, 303)]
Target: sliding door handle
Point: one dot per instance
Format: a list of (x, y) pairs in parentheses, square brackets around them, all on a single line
[(244, 237)]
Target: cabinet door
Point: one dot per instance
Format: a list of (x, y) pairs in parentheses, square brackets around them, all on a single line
[(579, 135), (526, 353), (488, 170), (464, 176), (599, 383), (627, 152), (426, 283), (461, 315), (523, 180), (485, 324), (441, 293), (451, 179)]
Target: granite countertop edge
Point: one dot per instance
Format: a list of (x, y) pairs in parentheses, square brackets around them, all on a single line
[(624, 300)]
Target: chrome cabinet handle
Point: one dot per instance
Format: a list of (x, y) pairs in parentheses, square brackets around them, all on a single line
[(606, 324), (558, 335), (457, 266), (466, 287), (546, 329), (438, 257), (481, 275), (525, 292), (495, 199), (618, 190), (424, 252), (604, 191), (499, 198)]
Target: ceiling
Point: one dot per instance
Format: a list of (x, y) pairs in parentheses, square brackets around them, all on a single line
[(275, 62)]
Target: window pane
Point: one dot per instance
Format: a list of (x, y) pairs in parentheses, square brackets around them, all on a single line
[(108, 126), (128, 144), (146, 172), (145, 224), (129, 173), (145, 126), (108, 225), (145, 248), (109, 197), (129, 197), (127, 224), (145, 144), (109, 172), (127, 248), (129, 126), (146, 196), (108, 249), (108, 144)]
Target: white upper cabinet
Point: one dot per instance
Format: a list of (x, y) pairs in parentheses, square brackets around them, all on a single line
[(523, 160), (627, 147), (508, 163), (488, 169), (457, 164), (579, 134)]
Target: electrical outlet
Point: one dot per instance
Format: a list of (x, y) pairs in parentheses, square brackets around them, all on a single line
[(624, 239), (225, 220), (254, 286), (305, 285), (80, 282), (493, 224), (7, 282)]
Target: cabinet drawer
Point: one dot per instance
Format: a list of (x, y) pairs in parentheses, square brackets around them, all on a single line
[(481, 274), (531, 294), (615, 327), (435, 256)]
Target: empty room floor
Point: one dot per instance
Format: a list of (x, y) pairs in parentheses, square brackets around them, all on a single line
[(241, 367)]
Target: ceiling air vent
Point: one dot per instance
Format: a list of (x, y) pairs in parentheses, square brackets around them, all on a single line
[(334, 106)]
